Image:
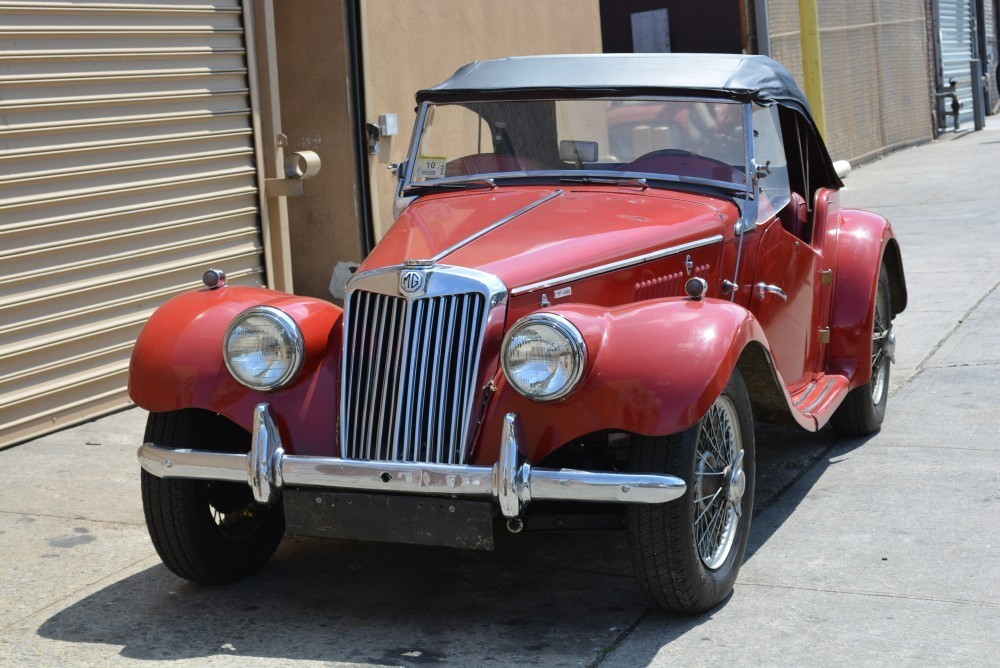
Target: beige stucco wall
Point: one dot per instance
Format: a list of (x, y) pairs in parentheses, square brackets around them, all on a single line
[(313, 70), (413, 45)]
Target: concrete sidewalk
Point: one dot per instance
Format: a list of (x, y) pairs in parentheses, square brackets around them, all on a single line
[(864, 552)]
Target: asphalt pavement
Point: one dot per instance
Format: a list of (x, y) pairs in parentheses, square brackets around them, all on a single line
[(868, 552)]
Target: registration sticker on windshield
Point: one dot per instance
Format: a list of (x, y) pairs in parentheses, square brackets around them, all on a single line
[(430, 167)]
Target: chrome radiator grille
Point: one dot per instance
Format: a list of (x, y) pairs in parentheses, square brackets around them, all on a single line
[(410, 376)]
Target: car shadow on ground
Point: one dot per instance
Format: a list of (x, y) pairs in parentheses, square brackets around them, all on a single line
[(539, 598)]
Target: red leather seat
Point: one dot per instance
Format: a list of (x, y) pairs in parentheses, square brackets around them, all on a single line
[(795, 217)]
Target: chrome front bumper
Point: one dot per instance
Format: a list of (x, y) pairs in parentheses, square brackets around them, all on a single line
[(511, 482)]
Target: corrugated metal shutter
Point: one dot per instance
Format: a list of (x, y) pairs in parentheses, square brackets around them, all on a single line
[(990, 21), (127, 168), (957, 39)]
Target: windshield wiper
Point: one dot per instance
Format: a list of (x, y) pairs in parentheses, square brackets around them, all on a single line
[(453, 185), (642, 183)]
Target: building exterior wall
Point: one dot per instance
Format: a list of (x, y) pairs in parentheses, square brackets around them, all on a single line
[(706, 26), (313, 71), (409, 46), (875, 71)]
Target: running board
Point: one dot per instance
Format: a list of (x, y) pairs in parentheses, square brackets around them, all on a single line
[(820, 398)]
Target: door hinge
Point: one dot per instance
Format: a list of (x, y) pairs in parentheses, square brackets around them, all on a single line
[(824, 336), (826, 277)]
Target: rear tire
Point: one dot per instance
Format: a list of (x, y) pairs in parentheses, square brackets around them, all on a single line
[(210, 532), (687, 553), (863, 408)]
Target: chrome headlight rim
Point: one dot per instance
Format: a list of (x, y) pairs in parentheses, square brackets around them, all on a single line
[(568, 330), (293, 335)]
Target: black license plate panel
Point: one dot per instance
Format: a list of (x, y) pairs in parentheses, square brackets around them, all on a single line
[(390, 519)]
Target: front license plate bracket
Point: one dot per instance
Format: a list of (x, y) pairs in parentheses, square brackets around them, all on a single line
[(389, 518)]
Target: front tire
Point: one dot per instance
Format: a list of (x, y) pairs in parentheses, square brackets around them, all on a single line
[(211, 532), (687, 553)]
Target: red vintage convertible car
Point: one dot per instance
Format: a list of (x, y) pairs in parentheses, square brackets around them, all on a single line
[(604, 272)]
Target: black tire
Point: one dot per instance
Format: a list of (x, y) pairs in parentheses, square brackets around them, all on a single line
[(863, 408), (675, 572), (206, 532)]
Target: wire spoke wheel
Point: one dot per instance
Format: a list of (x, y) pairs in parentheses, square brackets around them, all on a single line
[(882, 340), (687, 553), (719, 483)]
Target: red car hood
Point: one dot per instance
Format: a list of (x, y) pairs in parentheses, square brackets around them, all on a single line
[(579, 229)]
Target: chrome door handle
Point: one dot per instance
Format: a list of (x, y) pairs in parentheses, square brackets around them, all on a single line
[(763, 290)]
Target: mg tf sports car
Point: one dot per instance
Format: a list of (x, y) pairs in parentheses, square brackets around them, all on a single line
[(604, 271)]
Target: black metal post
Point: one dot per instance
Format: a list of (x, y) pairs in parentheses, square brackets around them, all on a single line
[(978, 103)]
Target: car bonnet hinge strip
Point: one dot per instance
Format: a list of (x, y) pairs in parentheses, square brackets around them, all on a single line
[(489, 228)]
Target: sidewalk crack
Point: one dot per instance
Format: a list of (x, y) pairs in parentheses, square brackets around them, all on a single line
[(876, 594), (616, 643), (922, 366)]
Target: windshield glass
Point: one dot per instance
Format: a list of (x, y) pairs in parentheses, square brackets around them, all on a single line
[(696, 140)]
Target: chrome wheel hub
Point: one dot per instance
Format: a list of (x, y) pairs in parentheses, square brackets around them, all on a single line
[(719, 483), (736, 483)]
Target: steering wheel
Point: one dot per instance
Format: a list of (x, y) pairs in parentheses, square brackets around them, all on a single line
[(684, 163)]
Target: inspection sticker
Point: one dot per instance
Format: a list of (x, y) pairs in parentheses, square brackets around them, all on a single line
[(429, 167)]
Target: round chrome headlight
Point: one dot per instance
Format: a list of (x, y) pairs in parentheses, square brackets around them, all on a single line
[(544, 356), (263, 348)]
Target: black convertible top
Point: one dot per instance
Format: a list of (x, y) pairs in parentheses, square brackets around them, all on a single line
[(746, 78), (728, 76)]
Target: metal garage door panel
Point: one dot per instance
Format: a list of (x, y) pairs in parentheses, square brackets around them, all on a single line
[(127, 168), (957, 47)]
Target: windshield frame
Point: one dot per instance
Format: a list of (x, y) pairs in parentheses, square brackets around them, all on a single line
[(408, 188)]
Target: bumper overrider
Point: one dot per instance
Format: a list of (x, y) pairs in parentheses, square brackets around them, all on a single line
[(512, 483)]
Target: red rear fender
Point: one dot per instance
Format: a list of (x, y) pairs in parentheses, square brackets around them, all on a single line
[(865, 239), (178, 363)]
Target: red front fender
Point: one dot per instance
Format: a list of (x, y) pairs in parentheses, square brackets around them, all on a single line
[(654, 368), (177, 363)]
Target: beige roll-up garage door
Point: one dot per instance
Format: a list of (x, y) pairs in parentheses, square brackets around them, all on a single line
[(127, 168)]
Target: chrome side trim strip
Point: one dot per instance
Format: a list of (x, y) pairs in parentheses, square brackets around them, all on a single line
[(489, 228), (620, 264), (511, 482)]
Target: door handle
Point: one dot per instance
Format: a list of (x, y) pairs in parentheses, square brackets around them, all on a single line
[(763, 290)]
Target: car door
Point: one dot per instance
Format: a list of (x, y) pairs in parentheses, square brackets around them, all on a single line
[(784, 290)]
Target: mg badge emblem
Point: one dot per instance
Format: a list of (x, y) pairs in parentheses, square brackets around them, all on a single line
[(412, 281)]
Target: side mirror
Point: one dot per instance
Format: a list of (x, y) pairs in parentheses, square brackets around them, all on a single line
[(842, 167)]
